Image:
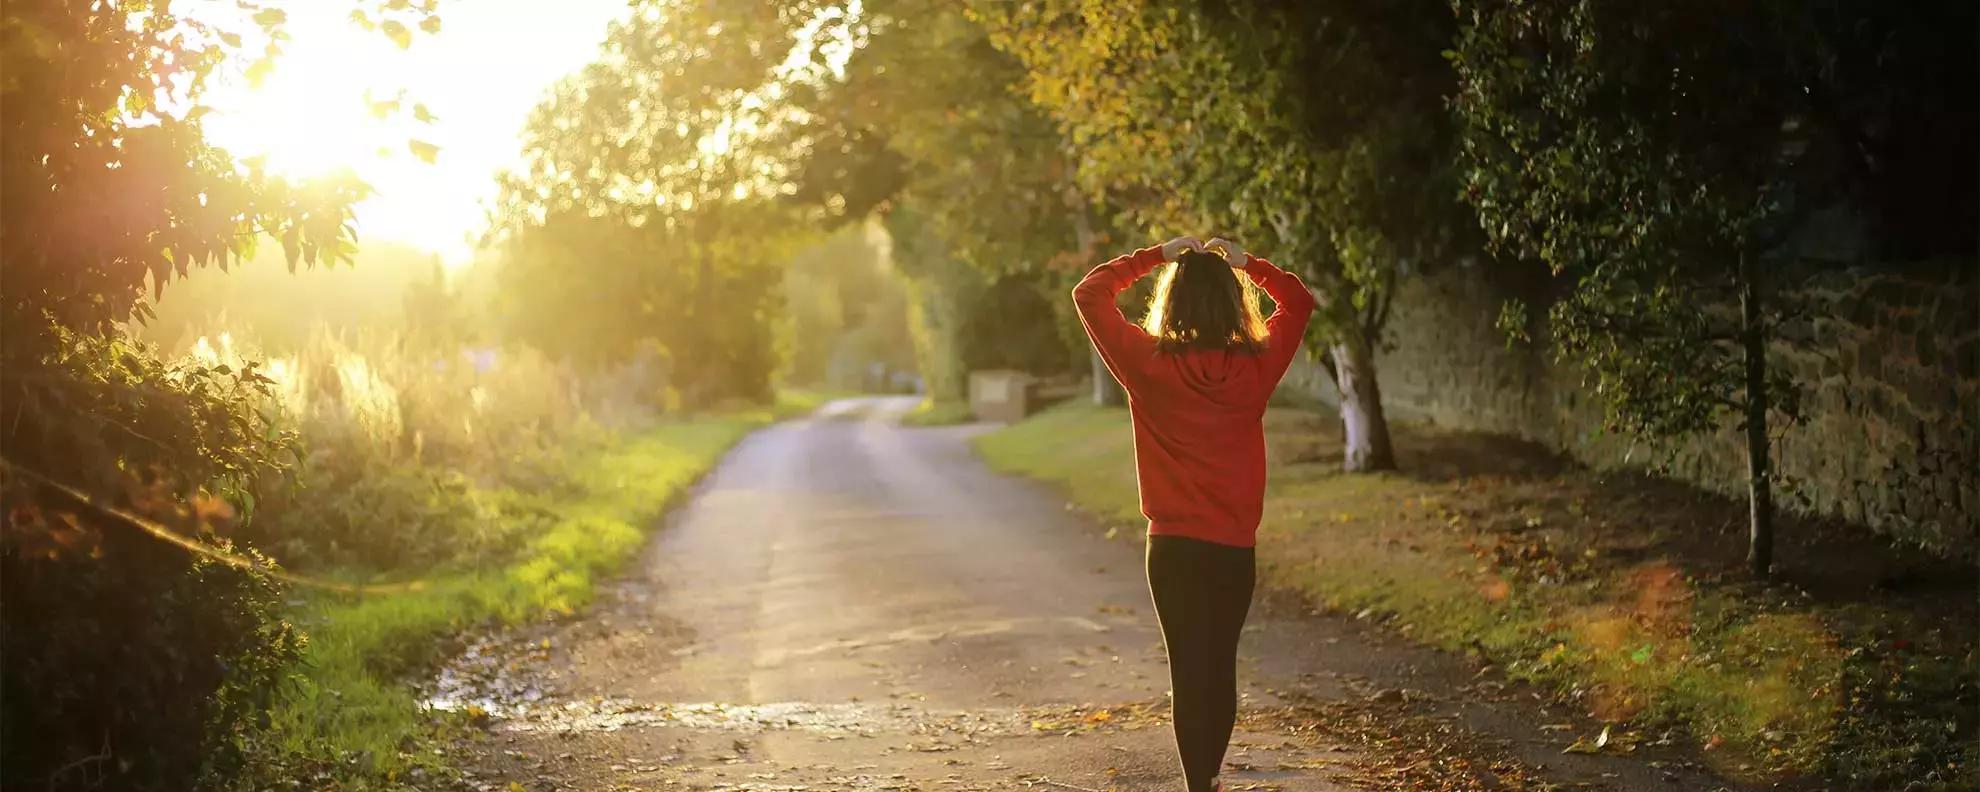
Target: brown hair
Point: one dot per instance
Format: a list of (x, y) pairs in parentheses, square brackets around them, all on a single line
[(1201, 302)]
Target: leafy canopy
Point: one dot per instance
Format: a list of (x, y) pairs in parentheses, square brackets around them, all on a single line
[(108, 185), (1311, 131), (1662, 156), (653, 206)]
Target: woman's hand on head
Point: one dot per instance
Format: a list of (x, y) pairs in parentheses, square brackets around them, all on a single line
[(1233, 252), (1174, 248)]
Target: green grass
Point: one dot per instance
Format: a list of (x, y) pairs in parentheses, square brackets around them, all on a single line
[(1585, 584), (938, 413), (351, 706)]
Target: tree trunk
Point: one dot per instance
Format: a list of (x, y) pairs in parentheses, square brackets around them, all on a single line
[(1759, 484), (1106, 391), (1366, 429)]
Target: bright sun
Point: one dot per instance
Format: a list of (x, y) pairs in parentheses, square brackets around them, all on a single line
[(312, 114), (479, 76)]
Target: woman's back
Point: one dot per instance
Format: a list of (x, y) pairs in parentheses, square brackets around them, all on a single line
[(1199, 444)]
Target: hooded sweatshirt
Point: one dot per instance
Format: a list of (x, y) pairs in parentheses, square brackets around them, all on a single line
[(1199, 435)]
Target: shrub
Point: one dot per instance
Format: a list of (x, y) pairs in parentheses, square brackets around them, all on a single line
[(145, 668), (131, 663), (382, 517), (400, 431)]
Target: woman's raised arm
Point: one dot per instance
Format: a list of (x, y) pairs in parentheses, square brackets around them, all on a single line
[(1118, 340), (1293, 306)]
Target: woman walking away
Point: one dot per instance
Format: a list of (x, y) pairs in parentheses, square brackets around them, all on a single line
[(1197, 373)]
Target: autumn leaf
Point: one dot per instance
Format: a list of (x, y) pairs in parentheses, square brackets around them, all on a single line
[(423, 150)]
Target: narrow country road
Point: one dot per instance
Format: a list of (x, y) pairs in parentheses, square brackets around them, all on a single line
[(849, 604)]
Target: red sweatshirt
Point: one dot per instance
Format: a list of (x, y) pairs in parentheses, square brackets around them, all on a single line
[(1199, 437)]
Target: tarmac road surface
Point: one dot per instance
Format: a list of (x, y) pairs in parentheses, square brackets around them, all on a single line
[(846, 604)]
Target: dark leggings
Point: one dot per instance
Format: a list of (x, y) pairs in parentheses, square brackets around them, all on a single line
[(1202, 593)]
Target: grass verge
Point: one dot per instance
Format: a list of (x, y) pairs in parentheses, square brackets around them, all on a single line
[(938, 413), (351, 717), (1620, 592)]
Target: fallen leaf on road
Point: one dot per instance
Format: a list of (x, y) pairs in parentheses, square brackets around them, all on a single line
[(1587, 746)]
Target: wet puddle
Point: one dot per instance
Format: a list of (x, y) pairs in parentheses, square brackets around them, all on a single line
[(848, 719), (493, 676), (502, 680)]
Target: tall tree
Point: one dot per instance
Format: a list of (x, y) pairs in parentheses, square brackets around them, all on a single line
[(655, 184), (1313, 131), (1660, 158), (898, 107), (927, 101)]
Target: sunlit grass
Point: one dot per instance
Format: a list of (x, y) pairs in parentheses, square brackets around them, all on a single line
[(1517, 569), (560, 495), (351, 698), (1086, 449)]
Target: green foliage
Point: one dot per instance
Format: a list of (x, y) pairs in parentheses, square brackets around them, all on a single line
[(350, 717), (649, 216), (398, 427), (941, 288), (1310, 131), (131, 663), (1663, 169), (1659, 166), (103, 412), (135, 667), (984, 167), (381, 516), (798, 113), (1610, 141), (1014, 325), (603, 291), (988, 184), (1313, 132), (845, 310), (109, 183)]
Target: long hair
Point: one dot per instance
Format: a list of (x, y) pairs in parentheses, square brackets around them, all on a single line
[(1200, 302)]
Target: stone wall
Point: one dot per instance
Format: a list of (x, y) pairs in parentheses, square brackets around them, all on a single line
[(1888, 362)]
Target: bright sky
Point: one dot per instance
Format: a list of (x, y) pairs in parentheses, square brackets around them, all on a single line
[(480, 76)]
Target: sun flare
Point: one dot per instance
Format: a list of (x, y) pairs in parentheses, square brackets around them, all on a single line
[(314, 113), (341, 97)]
